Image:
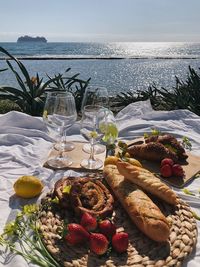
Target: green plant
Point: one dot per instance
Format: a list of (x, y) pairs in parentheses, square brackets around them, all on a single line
[(185, 95), (72, 84), (30, 95), (125, 98), (7, 105), (22, 237)]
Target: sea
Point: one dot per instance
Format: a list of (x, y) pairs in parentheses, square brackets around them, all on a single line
[(118, 66)]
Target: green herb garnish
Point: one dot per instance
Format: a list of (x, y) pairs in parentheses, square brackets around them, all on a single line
[(187, 192), (196, 216), (67, 189), (186, 143)]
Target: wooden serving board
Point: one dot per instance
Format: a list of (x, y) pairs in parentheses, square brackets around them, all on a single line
[(77, 155), (191, 168)]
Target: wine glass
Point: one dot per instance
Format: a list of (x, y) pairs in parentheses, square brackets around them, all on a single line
[(92, 116), (59, 114), (95, 95)]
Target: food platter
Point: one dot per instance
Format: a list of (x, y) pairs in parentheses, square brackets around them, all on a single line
[(142, 251), (191, 166)]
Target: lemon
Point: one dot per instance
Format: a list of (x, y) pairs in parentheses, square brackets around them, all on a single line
[(112, 160), (28, 186), (134, 162)]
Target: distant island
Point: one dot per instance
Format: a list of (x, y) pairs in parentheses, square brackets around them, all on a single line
[(27, 38)]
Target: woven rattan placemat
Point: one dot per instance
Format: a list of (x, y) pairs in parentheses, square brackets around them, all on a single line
[(141, 251)]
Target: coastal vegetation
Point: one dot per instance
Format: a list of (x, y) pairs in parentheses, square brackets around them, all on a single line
[(30, 94)]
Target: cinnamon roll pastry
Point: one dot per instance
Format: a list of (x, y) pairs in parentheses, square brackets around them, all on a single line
[(88, 195), (83, 194), (60, 192)]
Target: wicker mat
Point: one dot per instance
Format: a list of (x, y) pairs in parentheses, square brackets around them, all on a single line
[(141, 251)]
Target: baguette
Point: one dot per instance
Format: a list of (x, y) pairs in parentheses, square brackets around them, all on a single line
[(140, 208), (147, 181)]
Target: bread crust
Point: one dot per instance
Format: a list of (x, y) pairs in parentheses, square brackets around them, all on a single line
[(147, 181), (153, 151), (140, 208)]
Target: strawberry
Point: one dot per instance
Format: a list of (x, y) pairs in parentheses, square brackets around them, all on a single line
[(107, 228), (88, 222), (167, 161), (98, 243), (177, 170), (166, 170), (120, 242), (71, 239), (76, 234)]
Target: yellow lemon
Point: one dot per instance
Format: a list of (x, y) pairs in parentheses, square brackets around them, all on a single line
[(112, 160), (134, 162), (28, 186)]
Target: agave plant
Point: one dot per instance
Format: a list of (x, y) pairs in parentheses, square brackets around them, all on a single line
[(30, 95), (72, 84), (185, 95), (125, 98), (31, 92)]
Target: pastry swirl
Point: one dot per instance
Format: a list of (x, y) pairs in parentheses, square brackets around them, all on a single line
[(85, 195)]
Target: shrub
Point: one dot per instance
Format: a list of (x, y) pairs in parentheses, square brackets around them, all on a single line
[(185, 95), (30, 95)]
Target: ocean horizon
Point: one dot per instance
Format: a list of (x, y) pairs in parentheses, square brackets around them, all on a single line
[(119, 66)]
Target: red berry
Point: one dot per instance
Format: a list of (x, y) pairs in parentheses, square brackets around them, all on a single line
[(88, 222), (107, 228), (76, 234), (177, 170), (166, 170), (98, 243), (167, 161), (120, 242)]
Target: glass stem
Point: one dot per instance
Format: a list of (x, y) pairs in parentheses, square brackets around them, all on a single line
[(91, 158), (63, 137)]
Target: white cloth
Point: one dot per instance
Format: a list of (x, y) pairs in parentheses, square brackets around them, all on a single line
[(25, 143)]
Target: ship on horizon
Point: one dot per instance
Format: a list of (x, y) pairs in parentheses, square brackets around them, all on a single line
[(27, 38)]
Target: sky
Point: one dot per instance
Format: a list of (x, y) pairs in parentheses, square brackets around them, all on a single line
[(101, 20)]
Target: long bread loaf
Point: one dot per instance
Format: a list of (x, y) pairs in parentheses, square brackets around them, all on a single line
[(140, 208), (147, 181)]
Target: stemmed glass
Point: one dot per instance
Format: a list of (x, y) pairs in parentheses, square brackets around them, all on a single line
[(59, 114), (92, 117), (95, 95)]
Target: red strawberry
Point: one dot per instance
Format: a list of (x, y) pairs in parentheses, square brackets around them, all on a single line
[(88, 222), (167, 161), (76, 234), (120, 242), (166, 170), (107, 228), (177, 170), (71, 239), (98, 243)]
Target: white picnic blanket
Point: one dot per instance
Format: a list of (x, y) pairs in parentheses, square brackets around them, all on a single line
[(25, 143)]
